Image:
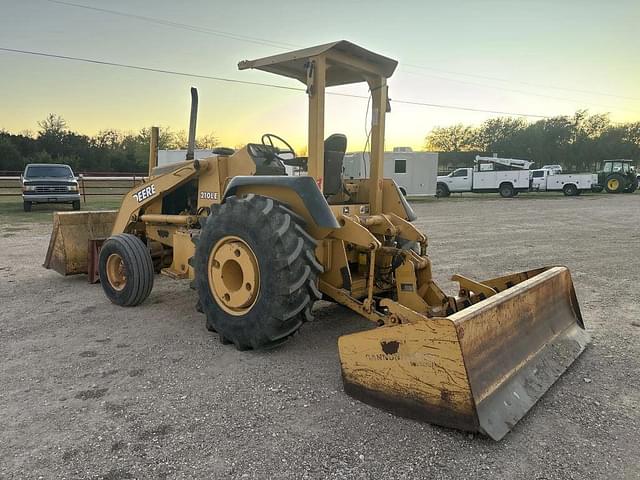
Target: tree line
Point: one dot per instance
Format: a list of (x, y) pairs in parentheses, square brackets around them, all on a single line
[(107, 151), (578, 143)]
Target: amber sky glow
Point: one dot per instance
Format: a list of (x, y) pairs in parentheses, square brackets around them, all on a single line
[(586, 45)]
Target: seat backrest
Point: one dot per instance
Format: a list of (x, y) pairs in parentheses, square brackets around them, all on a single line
[(335, 147)]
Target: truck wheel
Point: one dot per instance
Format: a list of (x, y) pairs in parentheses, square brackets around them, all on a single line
[(506, 190), (633, 186), (596, 188), (615, 183), (442, 190), (126, 270), (570, 190), (76, 205), (256, 272), (27, 206)]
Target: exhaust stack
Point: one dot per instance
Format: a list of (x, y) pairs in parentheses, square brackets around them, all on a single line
[(192, 123)]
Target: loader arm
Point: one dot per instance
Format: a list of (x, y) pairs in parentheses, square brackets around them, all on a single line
[(154, 189)]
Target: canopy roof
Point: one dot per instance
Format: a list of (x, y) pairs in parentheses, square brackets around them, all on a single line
[(346, 63)]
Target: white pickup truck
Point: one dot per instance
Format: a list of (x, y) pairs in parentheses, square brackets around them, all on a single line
[(571, 184), (505, 176)]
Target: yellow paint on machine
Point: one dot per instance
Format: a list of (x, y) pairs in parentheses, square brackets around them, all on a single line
[(480, 369), (69, 243)]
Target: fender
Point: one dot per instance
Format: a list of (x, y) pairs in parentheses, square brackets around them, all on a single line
[(303, 187)]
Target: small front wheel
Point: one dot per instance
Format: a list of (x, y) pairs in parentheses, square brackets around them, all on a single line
[(126, 270)]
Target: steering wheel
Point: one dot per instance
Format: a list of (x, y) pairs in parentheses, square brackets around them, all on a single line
[(267, 140)]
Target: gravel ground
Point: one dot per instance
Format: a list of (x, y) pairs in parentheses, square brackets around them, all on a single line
[(90, 390)]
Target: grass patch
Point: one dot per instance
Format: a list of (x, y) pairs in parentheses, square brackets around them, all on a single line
[(12, 212)]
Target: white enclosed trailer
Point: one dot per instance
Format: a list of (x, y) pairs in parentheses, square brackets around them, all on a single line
[(165, 157), (414, 172)]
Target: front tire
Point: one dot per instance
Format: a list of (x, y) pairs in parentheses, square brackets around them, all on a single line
[(126, 270), (27, 206), (442, 190), (256, 272), (76, 204)]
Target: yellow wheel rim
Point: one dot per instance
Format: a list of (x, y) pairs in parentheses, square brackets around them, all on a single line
[(613, 184), (234, 275), (116, 272)]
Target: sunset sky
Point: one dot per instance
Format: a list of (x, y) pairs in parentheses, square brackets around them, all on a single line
[(536, 57)]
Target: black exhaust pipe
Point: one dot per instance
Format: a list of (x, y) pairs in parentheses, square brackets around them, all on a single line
[(192, 123)]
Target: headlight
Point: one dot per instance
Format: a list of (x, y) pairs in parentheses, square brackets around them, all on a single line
[(72, 188), (29, 188)]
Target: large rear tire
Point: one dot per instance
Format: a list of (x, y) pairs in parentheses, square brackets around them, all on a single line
[(615, 183), (255, 272), (126, 270)]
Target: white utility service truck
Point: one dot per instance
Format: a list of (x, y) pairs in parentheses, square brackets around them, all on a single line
[(570, 184), (506, 176)]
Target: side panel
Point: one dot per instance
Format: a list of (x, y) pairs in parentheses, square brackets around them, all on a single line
[(581, 181)]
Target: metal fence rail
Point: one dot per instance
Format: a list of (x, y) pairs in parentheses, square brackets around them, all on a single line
[(94, 184)]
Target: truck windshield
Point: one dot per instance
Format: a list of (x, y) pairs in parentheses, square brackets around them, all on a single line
[(42, 171)]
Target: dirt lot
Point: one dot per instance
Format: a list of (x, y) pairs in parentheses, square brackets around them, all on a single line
[(90, 390)]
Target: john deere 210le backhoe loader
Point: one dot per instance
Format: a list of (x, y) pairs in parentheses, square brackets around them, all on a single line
[(260, 247)]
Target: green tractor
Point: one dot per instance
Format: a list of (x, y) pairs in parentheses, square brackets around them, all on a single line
[(617, 176)]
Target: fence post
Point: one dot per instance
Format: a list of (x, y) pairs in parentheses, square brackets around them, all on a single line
[(84, 191)]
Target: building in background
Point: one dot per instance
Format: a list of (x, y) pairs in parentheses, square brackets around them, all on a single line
[(414, 172)]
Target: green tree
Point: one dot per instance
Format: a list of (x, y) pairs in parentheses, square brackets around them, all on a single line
[(10, 157), (456, 138)]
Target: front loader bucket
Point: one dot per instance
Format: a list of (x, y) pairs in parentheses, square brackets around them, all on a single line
[(480, 369), (69, 243)]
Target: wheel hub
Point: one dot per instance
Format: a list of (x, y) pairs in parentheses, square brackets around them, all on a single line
[(613, 184), (116, 272), (234, 275)]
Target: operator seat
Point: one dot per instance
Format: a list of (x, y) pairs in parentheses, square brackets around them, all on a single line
[(335, 147)]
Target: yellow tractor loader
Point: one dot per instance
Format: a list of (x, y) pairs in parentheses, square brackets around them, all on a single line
[(260, 247)]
